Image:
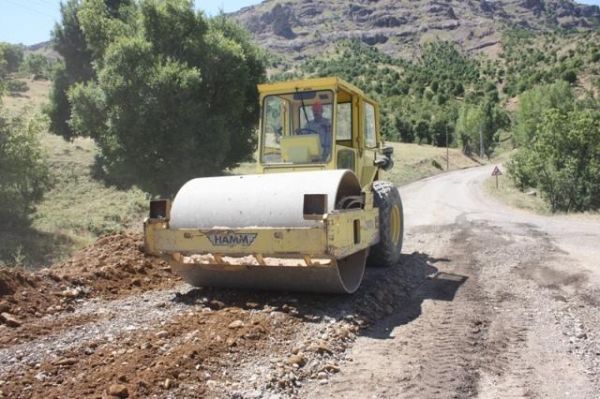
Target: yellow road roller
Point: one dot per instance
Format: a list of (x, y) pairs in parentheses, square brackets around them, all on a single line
[(313, 216)]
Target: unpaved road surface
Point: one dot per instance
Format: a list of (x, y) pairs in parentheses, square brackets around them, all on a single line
[(512, 312), (489, 302)]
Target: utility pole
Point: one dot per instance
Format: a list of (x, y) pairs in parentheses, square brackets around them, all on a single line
[(447, 150), (481, 141)]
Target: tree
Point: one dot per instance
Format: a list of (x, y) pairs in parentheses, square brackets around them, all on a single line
[(71, 43), (405, 130), (11, 56), (441, 129), (36, 65), (24, 173), (480, 123), (563, 161), (174, 100), (422, 132), (468, 126), (533, 104)]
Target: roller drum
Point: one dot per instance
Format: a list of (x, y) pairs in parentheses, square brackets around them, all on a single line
[(270, 200), (342, 278)]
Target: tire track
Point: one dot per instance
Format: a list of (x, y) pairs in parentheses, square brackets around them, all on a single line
[(447, 347), (464, 332)]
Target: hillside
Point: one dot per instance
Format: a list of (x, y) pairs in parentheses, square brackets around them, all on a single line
[(295, 29), (43, 48)]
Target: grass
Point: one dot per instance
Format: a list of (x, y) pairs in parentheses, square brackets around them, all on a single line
[(78, 208), (413, 162), (33, 98), (510, 194)]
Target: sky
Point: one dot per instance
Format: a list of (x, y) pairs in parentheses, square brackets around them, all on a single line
[(30, 21)]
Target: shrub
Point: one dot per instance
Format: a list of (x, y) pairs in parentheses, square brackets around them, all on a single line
[(36, 65), (569, 76), (16, 86), (24, 173), (563, 161)]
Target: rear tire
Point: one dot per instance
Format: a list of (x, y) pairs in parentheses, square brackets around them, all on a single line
[(391, 226)]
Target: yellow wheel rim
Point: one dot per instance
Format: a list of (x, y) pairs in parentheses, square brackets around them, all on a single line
[(395, 224)]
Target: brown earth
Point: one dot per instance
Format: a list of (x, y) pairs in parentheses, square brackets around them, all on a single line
[(115, 265)]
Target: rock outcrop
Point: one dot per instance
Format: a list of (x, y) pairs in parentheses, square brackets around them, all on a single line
[(297, 28)]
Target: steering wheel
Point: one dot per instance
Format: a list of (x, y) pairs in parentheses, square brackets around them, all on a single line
[(305, 130)]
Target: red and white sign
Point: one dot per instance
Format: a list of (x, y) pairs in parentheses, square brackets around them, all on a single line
[(496, 172)]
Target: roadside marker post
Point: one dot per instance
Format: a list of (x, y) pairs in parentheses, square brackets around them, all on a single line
[(496, 173)]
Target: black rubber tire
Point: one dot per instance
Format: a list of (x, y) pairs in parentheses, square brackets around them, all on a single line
[(386, 253)]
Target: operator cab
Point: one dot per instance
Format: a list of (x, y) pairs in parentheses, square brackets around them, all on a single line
[(297, 127), (320, 123)]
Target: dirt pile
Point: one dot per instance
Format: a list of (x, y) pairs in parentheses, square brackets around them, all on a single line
[(24, 294), (116, 265)]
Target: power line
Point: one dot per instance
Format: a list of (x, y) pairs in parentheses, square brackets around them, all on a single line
[(23, 6)]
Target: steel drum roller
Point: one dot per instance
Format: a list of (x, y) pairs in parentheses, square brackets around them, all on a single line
[(269, 200)]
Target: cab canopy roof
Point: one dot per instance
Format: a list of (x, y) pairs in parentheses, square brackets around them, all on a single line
[(309, 85)]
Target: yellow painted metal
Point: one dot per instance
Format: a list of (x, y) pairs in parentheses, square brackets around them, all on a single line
[(342, 238), (334, 237), (151, 227), (351, 231), (272, 241), (304, 148), (289, 86), (343, 92)]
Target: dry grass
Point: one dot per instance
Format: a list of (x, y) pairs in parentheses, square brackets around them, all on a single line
[(508, 193), (414, 162), (34, 98)]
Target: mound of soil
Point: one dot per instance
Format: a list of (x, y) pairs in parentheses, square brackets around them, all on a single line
[(24, 294), (116, 265)]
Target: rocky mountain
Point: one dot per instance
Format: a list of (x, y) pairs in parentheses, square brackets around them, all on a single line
[(297, 28)]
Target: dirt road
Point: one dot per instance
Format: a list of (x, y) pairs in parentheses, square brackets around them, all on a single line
[(490, 302), (512, 311)]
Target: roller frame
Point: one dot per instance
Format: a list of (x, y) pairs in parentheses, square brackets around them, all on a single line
[(334, 237)]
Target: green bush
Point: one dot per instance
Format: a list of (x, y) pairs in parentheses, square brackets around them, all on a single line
[(569, 76), (563, 161), (11, 56), (24, 173), (532, 105), (36, 65), (16, 86)]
